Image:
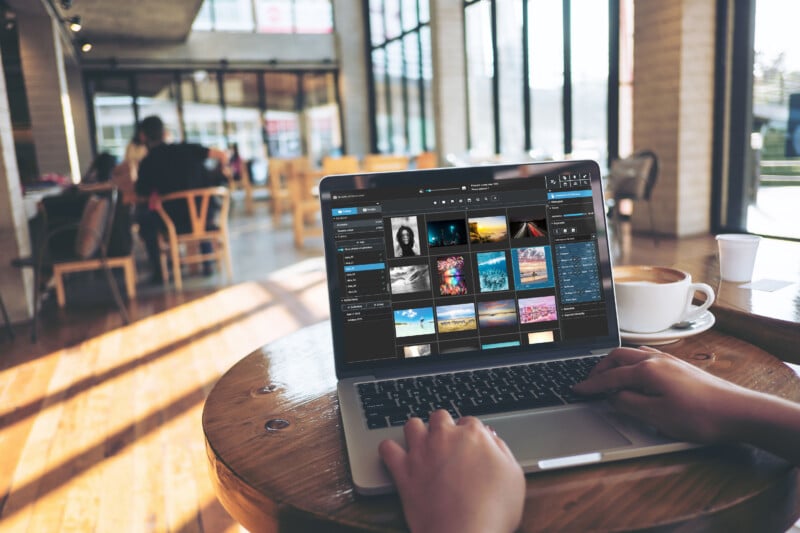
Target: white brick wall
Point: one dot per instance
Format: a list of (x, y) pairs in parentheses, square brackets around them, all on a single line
[(673, 109)]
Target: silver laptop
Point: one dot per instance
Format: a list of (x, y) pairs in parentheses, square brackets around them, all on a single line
[(483, 290)]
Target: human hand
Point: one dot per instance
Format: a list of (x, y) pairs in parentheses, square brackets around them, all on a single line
[(676, 397), (455, 476)]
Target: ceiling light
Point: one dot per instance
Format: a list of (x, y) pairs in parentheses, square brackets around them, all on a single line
[(75, 23), (86, 46)]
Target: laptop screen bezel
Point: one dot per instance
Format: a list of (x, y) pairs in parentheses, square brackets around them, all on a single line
[(502, 356)]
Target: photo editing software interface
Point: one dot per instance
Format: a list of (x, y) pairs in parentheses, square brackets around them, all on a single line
[(427, 271)]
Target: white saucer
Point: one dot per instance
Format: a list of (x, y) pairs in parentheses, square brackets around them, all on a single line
[(702, 323)]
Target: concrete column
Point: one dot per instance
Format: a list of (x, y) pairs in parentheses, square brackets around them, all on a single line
[(449, 77), (673, 108), (52, 123), (350, 27), (80, 115), (16, 285)]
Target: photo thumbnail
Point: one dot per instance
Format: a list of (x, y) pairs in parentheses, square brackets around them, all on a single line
[(410, 278), (492, 271), (533, 267), (447, 233), (498, 313), (539, 337), (405, 236), (412, 322), (487, 229), (458, 317), (531, 224), (416, 350), (451, 275), (539, 309)]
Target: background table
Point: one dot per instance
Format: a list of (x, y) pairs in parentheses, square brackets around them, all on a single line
[(295, 476)]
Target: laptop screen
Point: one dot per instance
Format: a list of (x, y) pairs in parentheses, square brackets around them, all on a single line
[(467, 263)]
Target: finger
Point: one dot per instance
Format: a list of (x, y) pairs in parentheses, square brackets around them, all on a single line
[(650, 349), (394, 457), (415, 432), (439, 420), (623, 377), (619, 357), (469, 421)]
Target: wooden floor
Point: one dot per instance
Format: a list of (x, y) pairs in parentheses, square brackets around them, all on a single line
[(100, 423)]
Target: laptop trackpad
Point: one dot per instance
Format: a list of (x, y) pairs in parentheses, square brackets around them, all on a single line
[(544, 435)]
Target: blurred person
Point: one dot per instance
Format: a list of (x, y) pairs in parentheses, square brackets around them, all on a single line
[(125, 174), (101, 168), (171, 168)]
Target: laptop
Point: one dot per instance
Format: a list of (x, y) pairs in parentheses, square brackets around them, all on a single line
[(484, 290)]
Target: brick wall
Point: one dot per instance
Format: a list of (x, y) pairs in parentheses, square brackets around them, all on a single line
[(673, 109)]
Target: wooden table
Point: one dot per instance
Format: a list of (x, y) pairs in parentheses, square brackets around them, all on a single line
[(276, 449)]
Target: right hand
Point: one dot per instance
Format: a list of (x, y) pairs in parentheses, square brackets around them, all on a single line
[(455, 477), (676, 397)]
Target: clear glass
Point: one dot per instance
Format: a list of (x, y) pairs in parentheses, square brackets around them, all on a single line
[(427, 79), (773, 192), (424, 11), (381, 111), (590, 80), (321, 116), (546, 78), (203, 22), (377, 34), (313, 16), (243, 121), (394, 53), (480, 71), (511, 82), (392, 14), (409, 14), (113, 111), (202, 112), (282, 119), (157, 95), (274, 16), (233, 15), (412, 75)]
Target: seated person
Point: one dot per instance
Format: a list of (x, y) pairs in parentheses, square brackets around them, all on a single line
[(170, 168), (462, 477)]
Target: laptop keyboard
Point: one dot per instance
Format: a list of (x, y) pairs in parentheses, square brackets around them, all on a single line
[(474, 393)]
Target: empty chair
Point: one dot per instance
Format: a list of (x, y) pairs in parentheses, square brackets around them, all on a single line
[(427, 160), (304, 193), (250, 187), (279, 196), (633, 178), (346, 164), (382, 163), (204, 225)]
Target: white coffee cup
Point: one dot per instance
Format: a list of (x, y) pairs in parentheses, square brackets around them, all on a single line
[(653, 298), (737, 256)]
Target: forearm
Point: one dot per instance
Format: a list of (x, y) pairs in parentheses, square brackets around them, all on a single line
[(767, 422)]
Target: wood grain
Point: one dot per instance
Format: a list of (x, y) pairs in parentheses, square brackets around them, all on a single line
[(266, 479)]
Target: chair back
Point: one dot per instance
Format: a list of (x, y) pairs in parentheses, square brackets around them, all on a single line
[(347, 164), (382, 162), (634, 177), (427, 160), (199, 204)]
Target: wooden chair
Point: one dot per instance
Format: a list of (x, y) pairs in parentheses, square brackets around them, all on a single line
[(427, 160), (632, 178), (305, 199), (279, 197), (199, 206), (346, 164), (382, 163), (100, 219)]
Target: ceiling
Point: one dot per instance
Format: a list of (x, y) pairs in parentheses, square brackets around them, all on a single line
[(126, 20)]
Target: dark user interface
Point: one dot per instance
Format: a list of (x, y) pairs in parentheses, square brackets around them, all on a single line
[(431, 271)]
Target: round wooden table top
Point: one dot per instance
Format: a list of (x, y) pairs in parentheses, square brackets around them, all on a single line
[(276, 448)]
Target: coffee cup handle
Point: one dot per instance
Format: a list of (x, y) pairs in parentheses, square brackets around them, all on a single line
[(692, 314)]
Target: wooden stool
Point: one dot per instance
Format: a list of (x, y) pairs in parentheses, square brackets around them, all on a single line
[(125, 262)]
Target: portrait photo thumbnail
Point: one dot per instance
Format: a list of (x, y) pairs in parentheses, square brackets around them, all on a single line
[(405, 236), (533, 267)]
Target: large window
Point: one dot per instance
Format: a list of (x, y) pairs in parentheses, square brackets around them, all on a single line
[(266, 114), (265, 16), (539, 76), (400, 60)]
